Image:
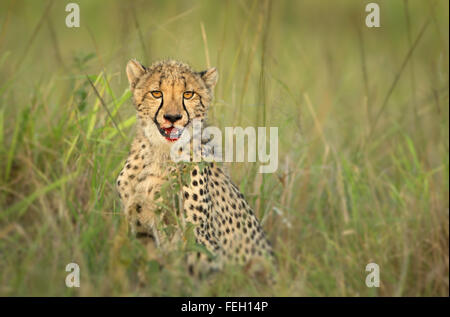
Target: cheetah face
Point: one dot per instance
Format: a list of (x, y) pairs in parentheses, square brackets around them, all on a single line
[(168, 95)]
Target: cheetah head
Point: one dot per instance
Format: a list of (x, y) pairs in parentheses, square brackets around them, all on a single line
[(168, 95)]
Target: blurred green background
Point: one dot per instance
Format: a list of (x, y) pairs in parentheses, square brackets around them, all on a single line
[(363, 117)]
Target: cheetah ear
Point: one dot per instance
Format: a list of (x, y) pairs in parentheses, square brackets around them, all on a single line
[(134, 71), (210, 77)]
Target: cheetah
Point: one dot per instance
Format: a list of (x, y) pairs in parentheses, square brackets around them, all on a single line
[(168, 96)]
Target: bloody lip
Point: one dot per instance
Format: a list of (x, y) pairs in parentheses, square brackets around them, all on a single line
[(171, 134)]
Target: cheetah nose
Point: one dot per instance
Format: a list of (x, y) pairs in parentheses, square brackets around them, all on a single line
[(172, 117)]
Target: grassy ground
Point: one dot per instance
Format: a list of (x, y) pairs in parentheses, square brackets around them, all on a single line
[(363, 117)]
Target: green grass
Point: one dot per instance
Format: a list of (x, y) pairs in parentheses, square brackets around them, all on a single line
[(363, 141)]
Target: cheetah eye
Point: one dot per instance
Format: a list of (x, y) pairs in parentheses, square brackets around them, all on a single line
[(156, 93), (188, 94)]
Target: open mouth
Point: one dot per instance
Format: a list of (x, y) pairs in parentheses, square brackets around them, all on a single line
[(171, 134)]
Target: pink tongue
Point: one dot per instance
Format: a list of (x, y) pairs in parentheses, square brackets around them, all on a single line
[(169, 133)]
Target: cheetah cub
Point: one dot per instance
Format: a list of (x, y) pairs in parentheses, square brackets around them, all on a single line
[(168, 96)]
